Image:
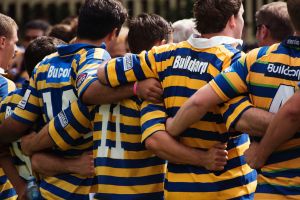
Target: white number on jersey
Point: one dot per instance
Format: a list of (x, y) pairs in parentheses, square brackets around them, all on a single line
[(68, 97), (283, 93), (116, 152)]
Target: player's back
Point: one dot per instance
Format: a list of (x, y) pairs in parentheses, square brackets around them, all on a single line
[(58, 81), (125, 169), (272, 79), (7, 106), (182, 71)]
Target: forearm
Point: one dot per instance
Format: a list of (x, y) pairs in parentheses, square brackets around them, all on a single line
[(254, 121), (49, 165), (97, 94), (36, 142), (167, 148), (11, 130), (101, 74), (12, 174), (193, 109)]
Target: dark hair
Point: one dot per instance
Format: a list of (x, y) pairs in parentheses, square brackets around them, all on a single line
[(145, 30), (37, 24), (38, 49), (98, 18), (63, 32), (213, 15), (276, 18), (7, 25), (294, 12)]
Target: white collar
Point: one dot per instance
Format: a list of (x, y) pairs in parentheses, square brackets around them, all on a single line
[(203, 43), (2, 71)]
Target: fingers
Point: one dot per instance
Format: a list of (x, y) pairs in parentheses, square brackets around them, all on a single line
[(220, 145)]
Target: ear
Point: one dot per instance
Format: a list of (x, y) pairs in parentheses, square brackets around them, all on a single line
[(2, 42), (264, 31), (231, 22), (111, 36)]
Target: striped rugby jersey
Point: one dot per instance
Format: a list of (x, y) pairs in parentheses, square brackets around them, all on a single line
[(182, 69), (57, 81), (125, 170), (8, 104), (6, 86), (6, 189), (270, 75)]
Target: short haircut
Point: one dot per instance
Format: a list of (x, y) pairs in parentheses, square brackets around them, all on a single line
[(145, 30), (183, 29), (37, 24), (98, 18), (212, 15), (294, 12), (38, 49), (63, 32), (276, 18), (7, 25)]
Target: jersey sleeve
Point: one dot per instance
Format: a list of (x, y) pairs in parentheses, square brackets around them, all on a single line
[(87, 68), (233, 110), (153, 119), (29, 109), (69, 125), (131, 68), (232, 82)]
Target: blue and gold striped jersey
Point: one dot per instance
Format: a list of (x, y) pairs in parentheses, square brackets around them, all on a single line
[(7, 105), (6, 86), (182, 69), (58, 80), (270, 75), (125, 170), (6, 189), (7, 192)]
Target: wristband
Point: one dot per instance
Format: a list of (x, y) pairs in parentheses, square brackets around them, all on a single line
[(135, 88)]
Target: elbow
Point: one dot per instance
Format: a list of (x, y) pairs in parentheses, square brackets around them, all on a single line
[(293, 114), (152, 142)]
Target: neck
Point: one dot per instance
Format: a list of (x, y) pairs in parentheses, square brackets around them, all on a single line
[(92, 42), (297, 33), (222, 33)]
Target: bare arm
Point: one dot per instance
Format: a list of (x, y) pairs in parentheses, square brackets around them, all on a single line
[(34, 142), (97, 93), (193, 110), (11, 130), (254, 121), (166, 147), (13, 175), (283, 127), (51, 165)]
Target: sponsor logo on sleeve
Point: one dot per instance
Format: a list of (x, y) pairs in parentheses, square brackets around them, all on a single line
[(22, 104), (63, 119), (80, 79), (128, 62)]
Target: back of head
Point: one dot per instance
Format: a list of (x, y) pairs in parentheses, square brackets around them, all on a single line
[(294, 12), (63, 32), (276, 18), (98, 18), (211, 16), (7, 25), (38, 24), (183, 29), (38, 49), (147, 29)]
